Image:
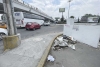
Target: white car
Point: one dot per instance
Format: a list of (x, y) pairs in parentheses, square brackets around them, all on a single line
[(46, 23), (3, 32)]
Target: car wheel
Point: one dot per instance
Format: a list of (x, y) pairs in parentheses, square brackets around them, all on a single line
[(1, 35), (26, 29)]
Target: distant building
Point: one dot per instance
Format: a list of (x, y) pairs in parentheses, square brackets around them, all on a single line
[(84, 19), (93, 19), (89, 19)]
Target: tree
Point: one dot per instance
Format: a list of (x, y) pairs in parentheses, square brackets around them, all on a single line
[(65, 20), (62, 19), (56, 18), (72, 17), (90, 15), (78, 20), (99, 20)]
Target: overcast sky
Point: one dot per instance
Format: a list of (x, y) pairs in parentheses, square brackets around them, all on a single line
[(77, 9)]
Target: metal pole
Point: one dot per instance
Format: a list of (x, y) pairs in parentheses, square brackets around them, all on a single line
[(9, 12), (68, 9), (62, 16), (5, 14), (62, 13), (14, 23)]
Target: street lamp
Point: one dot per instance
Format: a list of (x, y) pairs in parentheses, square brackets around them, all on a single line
[(69, 7)]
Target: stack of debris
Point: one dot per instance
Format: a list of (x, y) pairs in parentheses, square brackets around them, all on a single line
[(63, 42)]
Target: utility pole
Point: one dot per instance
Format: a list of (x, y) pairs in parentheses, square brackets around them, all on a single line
[(13, 39), (9, 12), (69, 7)]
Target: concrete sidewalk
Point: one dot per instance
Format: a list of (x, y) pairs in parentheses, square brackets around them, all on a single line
[(1, 48), (83, 56), (28, 53)]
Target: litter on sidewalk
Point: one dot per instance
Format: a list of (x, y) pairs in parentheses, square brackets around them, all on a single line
[(62, 66), (64, 41), (51, 58), (72, 46), (60, 38)]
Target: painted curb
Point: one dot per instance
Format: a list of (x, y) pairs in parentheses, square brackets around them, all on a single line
[(46, 52)]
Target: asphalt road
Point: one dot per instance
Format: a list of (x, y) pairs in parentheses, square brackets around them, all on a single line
[(44, 30)]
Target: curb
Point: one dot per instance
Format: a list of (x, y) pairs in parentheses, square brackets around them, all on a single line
[(46, 52), (60, 24)]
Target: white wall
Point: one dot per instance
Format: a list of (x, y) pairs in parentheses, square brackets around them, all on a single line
[(87, 34), (70, 21)]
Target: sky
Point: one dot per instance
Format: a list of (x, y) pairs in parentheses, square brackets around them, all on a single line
[(77, 7)]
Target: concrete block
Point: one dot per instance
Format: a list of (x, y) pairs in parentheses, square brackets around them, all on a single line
[(10, 42)]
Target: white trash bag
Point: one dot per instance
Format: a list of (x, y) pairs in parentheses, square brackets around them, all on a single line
[(50, 58)]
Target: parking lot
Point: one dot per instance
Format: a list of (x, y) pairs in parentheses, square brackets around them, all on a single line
[(30, 33)]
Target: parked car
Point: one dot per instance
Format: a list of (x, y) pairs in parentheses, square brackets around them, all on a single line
[(32, 26), (3, 32), (46, 23), (3, 25)]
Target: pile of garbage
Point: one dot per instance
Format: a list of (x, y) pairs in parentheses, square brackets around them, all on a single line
[(63, 42)]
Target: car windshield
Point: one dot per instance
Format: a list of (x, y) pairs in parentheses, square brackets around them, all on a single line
[(29, 23)]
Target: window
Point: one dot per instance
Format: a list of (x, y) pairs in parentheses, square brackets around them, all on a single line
[(17, 19), (17, 14)]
